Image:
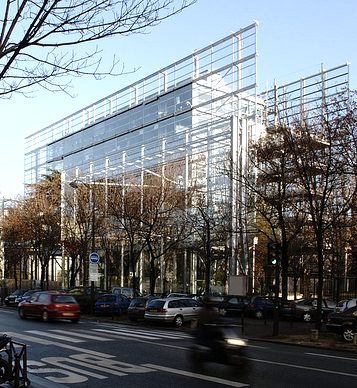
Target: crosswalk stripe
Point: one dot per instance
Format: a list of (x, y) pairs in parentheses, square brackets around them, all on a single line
[(127, 334), (161, 333), (81, 335), (170, 336), (60, 337)]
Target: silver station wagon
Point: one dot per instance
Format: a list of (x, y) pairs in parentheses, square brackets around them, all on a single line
[(173, 310)]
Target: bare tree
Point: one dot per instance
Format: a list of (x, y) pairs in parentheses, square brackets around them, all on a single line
[(163, 225), (274, 196), (210, 225), (41, 216), (43, 42), (321, 151), (124, 207)]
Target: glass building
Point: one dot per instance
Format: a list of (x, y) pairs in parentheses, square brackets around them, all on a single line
[(186, 121)]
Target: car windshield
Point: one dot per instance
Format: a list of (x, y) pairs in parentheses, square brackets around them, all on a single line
[(106, 298), (138, 303), (156, 303), (63, 299)]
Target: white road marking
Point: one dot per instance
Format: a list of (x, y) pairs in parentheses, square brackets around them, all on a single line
[(146, 333), (195, 375), (59, 337), (59, 344), (303, 367), (81, 335), (330, 356), (111, 332)]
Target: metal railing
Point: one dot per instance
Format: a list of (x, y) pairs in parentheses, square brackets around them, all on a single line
[(13, 362)]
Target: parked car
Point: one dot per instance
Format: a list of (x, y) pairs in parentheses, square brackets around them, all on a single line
[(111, 304), (25, 296), (343, 323), (260, 307), (127, 291), (84, 298), (10, 300), (345, 305), (49, 305), (173, 310), (233, 305), (137, 307), (178, 295), (306, 309)]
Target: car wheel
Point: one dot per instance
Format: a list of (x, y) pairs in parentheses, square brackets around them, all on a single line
[(22, 314), (306, 317), (259, 314), (348, 333), (45, 316), (222, 312), (178, 321)]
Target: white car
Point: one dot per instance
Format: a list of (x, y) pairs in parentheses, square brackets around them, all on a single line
[(345, 305), (172, 310)]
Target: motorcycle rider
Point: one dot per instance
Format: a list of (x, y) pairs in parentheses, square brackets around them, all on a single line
[(207, 332)]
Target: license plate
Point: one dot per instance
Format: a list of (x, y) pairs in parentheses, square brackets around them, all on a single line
[(67, 314)]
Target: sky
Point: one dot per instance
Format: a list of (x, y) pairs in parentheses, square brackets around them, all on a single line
[(294, 39)]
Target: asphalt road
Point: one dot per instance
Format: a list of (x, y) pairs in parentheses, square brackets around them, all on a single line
[(99, 354)]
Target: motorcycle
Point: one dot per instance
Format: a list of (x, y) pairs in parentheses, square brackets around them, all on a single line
[(220, 343)]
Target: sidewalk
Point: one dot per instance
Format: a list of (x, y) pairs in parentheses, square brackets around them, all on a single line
[(295, 333), (290, 332)]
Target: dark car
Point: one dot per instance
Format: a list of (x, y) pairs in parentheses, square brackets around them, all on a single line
[(343, 323), (260, 307), (83, 296), (109, 304), (233, 305), (136, 309), (306, 309), (49, 305), (26, 295), (11, 300)]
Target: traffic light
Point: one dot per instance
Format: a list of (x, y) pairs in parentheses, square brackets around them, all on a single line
[(274, 253)]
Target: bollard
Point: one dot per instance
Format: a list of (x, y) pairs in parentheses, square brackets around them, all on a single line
[(355, 339), (314, 335)]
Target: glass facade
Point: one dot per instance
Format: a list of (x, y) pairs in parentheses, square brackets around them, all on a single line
[(186, 121)]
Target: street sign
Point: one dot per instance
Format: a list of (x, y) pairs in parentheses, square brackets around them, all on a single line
[(94, 258), (93, 272)]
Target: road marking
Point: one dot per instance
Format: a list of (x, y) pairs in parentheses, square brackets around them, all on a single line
[(303, 367), (195, 375), (146, 330), (59, 337), (330, 356), (111, 332), (145, 333), (81, 335), (59, 344)]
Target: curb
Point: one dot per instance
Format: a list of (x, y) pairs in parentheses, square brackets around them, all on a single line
[(307, 344)]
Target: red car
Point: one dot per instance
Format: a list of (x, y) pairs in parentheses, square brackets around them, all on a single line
[(49, 305)]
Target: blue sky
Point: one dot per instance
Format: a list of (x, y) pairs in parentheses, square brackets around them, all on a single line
[(294, 39)]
